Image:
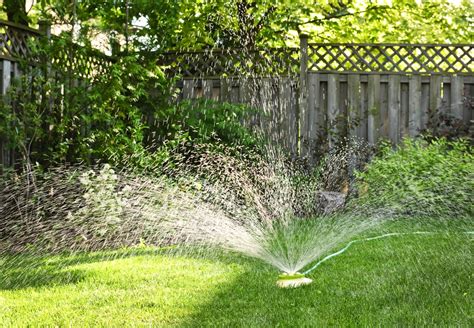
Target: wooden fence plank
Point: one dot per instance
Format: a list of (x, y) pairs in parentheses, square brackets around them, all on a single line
[(457, 86), (342, 119), (468, 112), (314, 109), (425, 105), (404, 115), (446, 98), (323, 111), (6, 80), (414, 106), (188, 89), (373, 124), (207, 86), (6, 75), (384, 121), (234, 94), (284, 97), (293, 121), (266, 96), (333, 107), (353, 106), (363, 113), (394, 108), (245, 91), (224, 92), (435, 101)]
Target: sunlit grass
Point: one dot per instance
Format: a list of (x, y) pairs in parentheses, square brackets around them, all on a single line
[(406, 280)]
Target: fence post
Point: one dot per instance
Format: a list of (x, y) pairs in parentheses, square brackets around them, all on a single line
[(6, 79), (44, 26), (303, 98)]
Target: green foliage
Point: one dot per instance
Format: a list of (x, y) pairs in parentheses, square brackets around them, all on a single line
[(61, 117), (434, 178), (205, 122), (247, 23), (103, 202)]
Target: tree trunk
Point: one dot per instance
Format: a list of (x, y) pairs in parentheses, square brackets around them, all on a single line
[(16, 11)]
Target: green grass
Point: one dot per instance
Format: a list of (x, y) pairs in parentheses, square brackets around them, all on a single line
[(408, 280)]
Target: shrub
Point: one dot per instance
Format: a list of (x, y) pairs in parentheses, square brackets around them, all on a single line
[(205, 121), (420, 177), (67, 118)]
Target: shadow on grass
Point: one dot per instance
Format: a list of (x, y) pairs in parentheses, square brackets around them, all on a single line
[(18, 271)]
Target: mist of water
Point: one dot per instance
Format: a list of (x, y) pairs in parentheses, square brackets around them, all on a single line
[(263, 207)]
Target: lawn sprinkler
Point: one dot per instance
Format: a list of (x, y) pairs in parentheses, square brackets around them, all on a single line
[(292, 280)]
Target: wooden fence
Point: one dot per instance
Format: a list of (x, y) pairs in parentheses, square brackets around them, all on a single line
[(311, 95), (322, 92)]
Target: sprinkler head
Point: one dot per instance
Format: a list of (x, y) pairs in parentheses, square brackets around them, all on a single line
[(292, 280)]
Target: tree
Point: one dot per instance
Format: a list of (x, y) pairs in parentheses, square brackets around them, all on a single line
[(16, 11), (195, 24)]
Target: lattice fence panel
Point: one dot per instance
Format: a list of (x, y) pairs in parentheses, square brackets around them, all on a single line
[(14, 40), (391, 58), (70, 58), (81, 62)]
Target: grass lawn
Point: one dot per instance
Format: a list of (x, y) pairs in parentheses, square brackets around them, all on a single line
[(406, 280)]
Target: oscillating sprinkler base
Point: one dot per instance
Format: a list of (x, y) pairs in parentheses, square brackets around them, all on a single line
[(292, 280)]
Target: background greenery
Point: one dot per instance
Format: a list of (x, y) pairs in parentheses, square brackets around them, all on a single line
[(201, 23), (431, 178), (130, 109)]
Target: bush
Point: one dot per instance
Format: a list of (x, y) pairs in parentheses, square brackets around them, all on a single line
[(186, 131), (204, 121), (418, 177), (68, 118)]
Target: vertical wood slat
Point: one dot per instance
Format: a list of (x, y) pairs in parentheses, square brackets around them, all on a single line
[(425, 104), (323, 111), (414, 105), (234, 95), (284, 96), (373, 124), (468, 112), (457, 88), (363, 112), (394, 108), (384, 120), (404, 115), (188, 89), (342, 118), (266, 96), (354, 99), (246, 91), (224, 92), (435, 100), (6, 80), (314, 109), (332, 107), (207, 86), (304, 116), (446, 100), (6, 75), (293, 119)]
